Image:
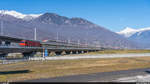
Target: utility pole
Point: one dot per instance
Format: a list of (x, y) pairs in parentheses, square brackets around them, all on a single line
[(87, 38), (68, 40), (57, 37), (1, 28), (35, 33), (2, 23), (78, 42)]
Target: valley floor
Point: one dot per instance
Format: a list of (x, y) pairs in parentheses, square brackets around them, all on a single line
[(54, 68), (133, 75), (90, 56)]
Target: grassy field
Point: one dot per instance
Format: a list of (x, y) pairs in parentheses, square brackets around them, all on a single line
[(119, 51), (112, 52), (45, 69)]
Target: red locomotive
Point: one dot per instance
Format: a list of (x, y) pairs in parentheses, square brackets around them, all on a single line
[(30, 43)]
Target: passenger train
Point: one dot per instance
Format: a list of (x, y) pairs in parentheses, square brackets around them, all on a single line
[(31, 43), (28, 43)]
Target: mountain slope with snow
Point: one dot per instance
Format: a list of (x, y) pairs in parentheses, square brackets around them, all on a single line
[(19, 15), (127, 32), (140, 36), (48, 25)]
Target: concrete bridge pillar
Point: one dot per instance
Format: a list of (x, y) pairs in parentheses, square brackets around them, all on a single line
[(30, 54), (3, 55), (0, 42), (52, 53), (26, 55), (71, 52), (63, 53), (68, 52), (7, 43), (58, 53), (37, 54), (95, 50), (77, 52), (82, 52), (86, 51), (90, 51)]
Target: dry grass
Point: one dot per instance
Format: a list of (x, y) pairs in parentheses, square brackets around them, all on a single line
[(45, 69), (119, 51), (111, 52)]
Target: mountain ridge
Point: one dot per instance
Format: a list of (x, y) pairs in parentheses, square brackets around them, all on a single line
[(139, 36), (127, 32), (19, 15), (48, 25)]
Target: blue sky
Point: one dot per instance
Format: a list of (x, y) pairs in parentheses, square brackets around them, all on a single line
[(112, 14)]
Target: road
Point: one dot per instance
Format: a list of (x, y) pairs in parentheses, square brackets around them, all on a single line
[(98, 77), (13, 60), (69, 57)]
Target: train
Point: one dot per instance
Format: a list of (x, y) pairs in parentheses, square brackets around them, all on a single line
[(28, 43), (32, 43)]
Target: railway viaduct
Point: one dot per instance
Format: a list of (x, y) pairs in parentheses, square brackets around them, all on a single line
[(10, 45)]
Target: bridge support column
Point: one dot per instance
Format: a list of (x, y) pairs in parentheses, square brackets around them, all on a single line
[(95, 50), (71, 52), (58, 53), (29, 54), (90, 51), (68, 52), (7, 43), (74, 52), (37, 54), (52, 53), (26, 55), (86, 51), (82, 52), (77, 52), (63, 53), (3, 55)]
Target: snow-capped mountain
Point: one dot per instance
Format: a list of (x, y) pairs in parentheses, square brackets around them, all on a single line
[(140, 36), (127, 32), (19, 15)]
